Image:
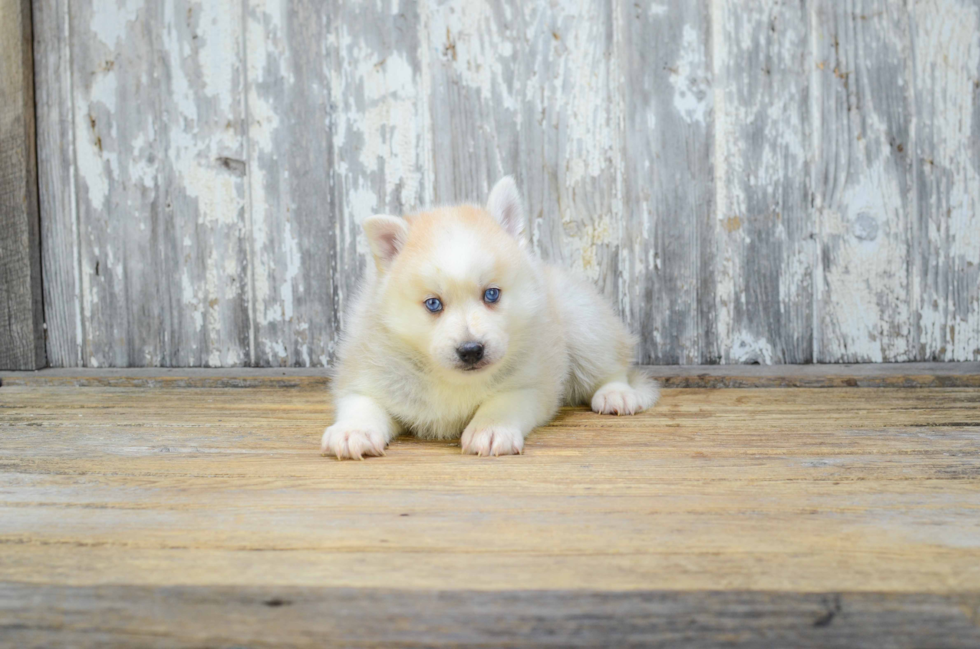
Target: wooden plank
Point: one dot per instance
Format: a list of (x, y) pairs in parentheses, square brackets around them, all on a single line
[(21, 308), (291, 207), (478, 80), (572, 152), (763, 245), (878, 375), (862, 180), (160, 377), (98, 616), (666, 279), (946, 233), (159, 146), (721, 489), (56, 183), (336, 135)]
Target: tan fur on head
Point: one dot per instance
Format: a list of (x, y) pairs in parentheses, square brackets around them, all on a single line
[(454, 255)]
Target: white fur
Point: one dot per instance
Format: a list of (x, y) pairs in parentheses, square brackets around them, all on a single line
[(504, 204), (551, 338)]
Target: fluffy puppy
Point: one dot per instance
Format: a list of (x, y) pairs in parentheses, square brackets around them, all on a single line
[(460, 329)]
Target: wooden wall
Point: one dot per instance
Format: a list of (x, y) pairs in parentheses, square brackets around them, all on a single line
[(765, 181)]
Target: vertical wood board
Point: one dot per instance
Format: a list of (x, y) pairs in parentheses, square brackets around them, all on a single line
[(946, 236), (667, 279), (56, 183), (764, 244), (21, 315), (861, 98)]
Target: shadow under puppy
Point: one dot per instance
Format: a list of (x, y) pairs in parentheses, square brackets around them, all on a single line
[(461, 329)]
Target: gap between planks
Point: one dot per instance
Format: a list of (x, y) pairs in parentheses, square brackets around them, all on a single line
[(890, 375)]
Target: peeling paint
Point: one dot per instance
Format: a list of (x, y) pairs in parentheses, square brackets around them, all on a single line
[(947, 69), (749, 349), (692, 96), (112, 21)]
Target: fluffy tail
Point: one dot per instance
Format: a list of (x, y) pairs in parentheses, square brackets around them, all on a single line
[(647, 390)]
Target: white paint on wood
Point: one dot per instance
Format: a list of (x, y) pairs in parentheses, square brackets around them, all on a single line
[(158, 153), (762, 222), (861, 110), (690, 78), (946, 291)]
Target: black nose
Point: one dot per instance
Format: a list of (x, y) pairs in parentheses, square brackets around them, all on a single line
[(470, 353)]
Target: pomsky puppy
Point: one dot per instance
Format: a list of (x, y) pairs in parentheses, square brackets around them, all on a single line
[(461, 329)]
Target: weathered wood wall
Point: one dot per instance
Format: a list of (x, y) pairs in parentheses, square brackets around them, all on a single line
[(748, 180), (21, 318)]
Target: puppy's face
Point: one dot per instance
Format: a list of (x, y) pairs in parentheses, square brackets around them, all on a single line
[(459, 287)]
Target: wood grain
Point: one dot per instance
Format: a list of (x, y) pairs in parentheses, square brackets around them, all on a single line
[(862, 181), (763, 252), (60, 239), (534, 90), (21, 308), (667, 279), (815, 515), (291, 199), (877, 488), (317, 617), (154, 100), (573, 155), (946, 234)]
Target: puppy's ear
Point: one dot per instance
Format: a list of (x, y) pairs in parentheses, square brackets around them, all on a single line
[(387, 236), (505, 206)]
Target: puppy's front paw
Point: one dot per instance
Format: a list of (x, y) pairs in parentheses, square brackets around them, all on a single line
[(616, 399), (349, 440), (492, 440)]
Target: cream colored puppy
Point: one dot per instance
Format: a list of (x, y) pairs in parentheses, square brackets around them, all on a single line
[(461, 329)]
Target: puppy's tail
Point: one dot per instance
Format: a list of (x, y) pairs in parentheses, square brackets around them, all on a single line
[(646, 388)]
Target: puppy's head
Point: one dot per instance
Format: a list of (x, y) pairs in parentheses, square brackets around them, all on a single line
[(458, 285)]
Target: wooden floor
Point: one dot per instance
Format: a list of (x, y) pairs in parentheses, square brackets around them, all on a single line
[(738, 517)]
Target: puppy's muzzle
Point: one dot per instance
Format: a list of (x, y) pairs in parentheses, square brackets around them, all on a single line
[(470, 353)]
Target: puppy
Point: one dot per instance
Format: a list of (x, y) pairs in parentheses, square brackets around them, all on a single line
[(461, 329)]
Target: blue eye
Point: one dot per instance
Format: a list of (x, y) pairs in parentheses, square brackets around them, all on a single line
[(491, 295), (433, 304)]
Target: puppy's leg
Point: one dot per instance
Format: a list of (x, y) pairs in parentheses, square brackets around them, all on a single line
[(362, 428), (626, 394), (501, 423)]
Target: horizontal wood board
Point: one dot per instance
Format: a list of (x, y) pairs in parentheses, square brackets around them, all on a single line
[(877, 375)]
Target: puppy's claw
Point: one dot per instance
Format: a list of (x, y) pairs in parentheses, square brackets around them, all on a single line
[(344, 440), (616, 399), (492, 441)]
